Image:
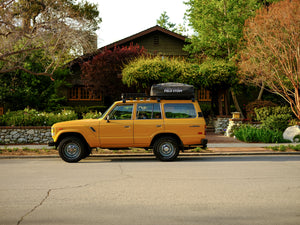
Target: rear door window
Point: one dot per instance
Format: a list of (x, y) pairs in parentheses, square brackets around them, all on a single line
[(148, 111), (180, 110)]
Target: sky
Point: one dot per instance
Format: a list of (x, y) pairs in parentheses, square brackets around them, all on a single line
[(123, 18)]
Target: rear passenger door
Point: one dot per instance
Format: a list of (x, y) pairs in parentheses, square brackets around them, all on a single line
[(148, 122), (182, 119)]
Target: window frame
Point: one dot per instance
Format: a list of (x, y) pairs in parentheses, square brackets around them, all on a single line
[(191, 116), (81, 93), (112, 112), (152, 112)]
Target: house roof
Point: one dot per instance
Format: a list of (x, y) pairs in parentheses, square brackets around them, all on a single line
[(121, 42), (143, 33)]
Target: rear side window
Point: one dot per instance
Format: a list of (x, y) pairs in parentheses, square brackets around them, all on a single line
[(148, 111), (183, 110)]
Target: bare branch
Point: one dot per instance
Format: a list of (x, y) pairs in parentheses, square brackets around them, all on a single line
[(271, 52)]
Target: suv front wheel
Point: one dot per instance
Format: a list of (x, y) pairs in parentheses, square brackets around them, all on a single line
[(166, 148), (71, 149)]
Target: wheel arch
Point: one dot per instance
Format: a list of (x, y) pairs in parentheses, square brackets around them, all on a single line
[(71, 134), (156, 137)]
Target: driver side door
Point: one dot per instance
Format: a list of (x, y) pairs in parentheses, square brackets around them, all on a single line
[(117, 130)]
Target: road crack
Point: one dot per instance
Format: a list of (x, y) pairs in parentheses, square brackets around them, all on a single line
[(45, 198), (35, 207)]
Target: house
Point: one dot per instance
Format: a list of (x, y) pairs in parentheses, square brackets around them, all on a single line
[(156, 40)]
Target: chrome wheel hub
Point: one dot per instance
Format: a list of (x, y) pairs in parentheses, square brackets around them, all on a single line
[(72, 150), (167, 149)]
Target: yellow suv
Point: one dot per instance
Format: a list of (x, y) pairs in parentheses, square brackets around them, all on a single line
[(167, 125)]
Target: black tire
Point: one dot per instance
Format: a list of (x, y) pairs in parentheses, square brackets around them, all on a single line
[(71, 149), (166, 148), (87, 152)]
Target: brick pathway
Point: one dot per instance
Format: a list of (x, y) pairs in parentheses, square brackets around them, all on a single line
[(219, 138)]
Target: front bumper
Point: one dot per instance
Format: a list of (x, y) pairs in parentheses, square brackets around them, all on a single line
[(51, 143)]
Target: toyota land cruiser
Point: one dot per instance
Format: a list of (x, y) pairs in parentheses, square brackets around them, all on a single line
[(167, 122)]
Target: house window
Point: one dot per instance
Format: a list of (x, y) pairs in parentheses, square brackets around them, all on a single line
[(204, 95), (83, 94)]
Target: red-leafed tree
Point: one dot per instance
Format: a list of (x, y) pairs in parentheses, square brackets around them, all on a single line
[(104, 71), (271, 56)]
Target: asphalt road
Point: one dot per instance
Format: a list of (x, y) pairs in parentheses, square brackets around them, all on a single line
[(203, 190)]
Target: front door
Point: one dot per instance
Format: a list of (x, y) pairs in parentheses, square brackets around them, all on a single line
[(117, 130)]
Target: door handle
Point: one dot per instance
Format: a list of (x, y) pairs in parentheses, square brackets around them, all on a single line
[(195, 126), (126, 126), (158, 125)]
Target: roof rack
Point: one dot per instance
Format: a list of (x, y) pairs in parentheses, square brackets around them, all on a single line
[(139, 96), (164, 91), (133, 96)]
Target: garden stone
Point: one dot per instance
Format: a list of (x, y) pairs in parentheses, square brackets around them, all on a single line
[(16, 136), (291, 132), (36, 139), (21, 140), (30, 131), (13, 133)]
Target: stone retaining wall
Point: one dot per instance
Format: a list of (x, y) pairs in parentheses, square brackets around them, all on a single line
[(25, 135), (221, 124)]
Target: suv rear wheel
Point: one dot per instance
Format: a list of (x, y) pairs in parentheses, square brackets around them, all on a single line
[(166, 148), (71, 149)]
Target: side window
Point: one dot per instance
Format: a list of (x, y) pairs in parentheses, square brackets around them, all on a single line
[(148, 111), (121, 112), (184, 110)]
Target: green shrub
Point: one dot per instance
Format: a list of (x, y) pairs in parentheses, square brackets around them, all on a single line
[(250, 108), (263, 113), (277, 122), (99, 108), (92, 115), (31, 117), (249, 133), (274, 118)]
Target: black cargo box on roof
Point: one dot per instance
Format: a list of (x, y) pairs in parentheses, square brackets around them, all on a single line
[(172, 91)]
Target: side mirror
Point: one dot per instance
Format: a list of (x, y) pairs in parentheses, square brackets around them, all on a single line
[(107, 118)]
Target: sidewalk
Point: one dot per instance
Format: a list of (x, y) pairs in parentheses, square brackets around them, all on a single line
[(217, 145)]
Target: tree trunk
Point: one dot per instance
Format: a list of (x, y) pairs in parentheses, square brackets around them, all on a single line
[(236, 103), (261, 91)]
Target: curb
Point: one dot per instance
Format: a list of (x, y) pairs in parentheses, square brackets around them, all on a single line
[(150, 155)]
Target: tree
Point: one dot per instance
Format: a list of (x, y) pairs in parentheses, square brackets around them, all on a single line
[(164, 22), (19, 90), (271, 56), (143, 72), (218, 27), (213, 75), (53, 29), (103, 71)]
